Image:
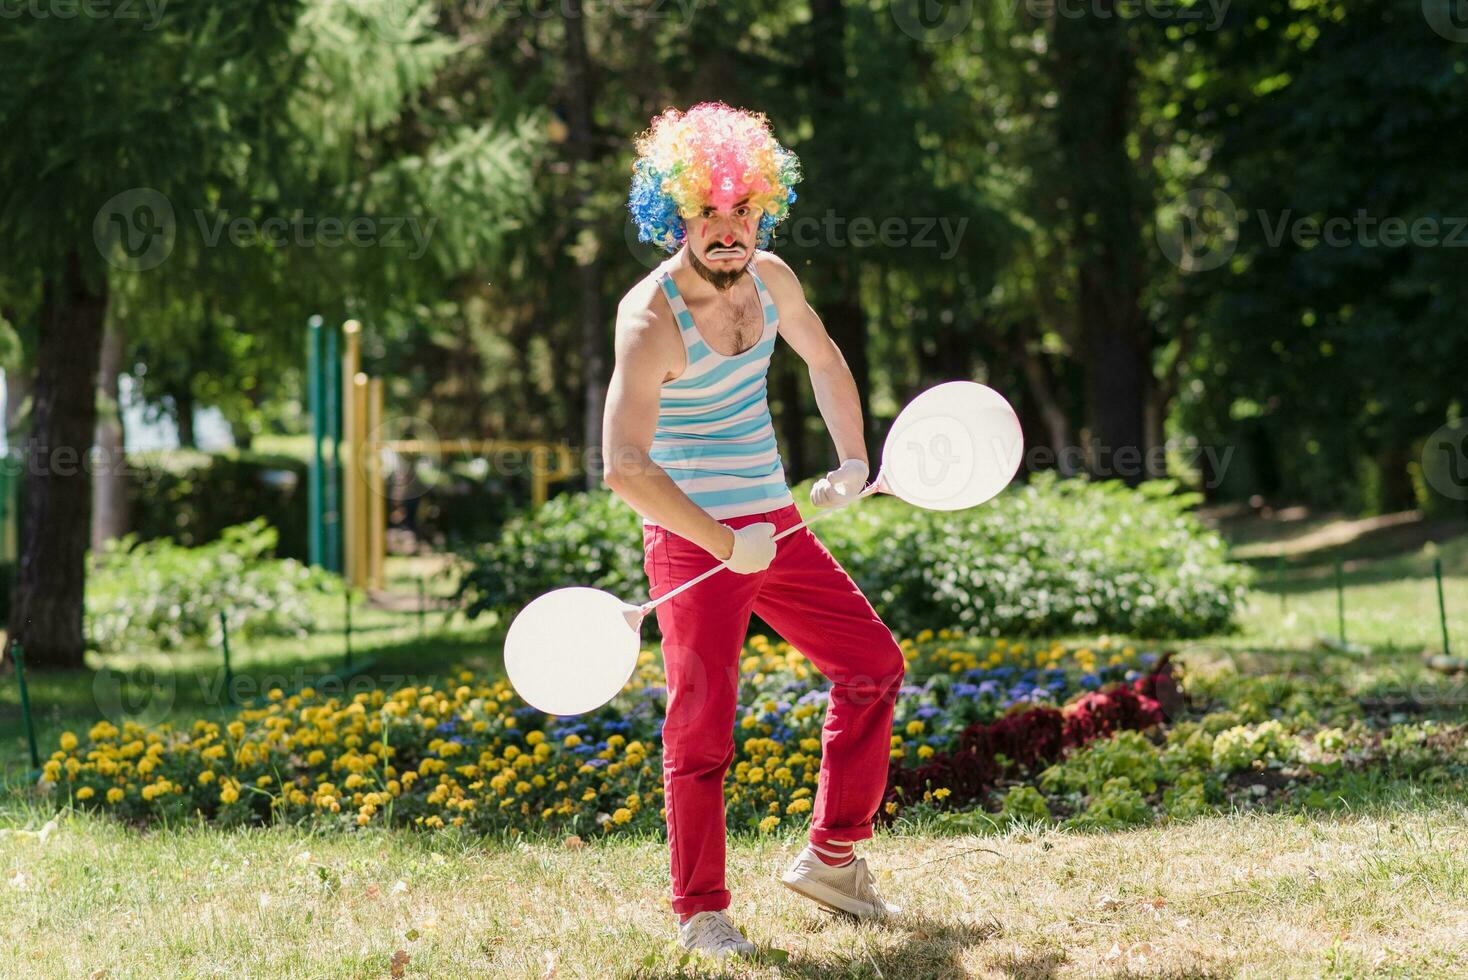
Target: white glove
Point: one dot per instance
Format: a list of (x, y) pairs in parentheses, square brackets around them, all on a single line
[(840, 486), (754, 548)]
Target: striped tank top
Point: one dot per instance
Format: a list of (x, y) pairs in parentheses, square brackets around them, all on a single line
[(714, 436)]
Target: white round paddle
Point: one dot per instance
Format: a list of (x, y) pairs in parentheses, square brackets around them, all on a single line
[(954, 446)]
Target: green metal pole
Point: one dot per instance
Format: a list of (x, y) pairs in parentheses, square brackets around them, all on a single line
[(25, 703), (1340, 601), (224, 642), (331, 382), (318, 437), (1442, 606), (422, 608), (347, 630)]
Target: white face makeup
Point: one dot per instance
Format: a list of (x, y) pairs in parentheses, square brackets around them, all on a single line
[(721, 241)]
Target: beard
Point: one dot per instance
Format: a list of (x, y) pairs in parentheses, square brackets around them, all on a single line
[(721, 281)]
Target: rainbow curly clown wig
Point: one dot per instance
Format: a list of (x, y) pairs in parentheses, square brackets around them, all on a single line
[(709, 155)]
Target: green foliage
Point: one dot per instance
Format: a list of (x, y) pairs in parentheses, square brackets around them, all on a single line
[(1189, 797), (191, 497), (1239, 748), (1117, 805), (1051, 557), (1024, 804), (589, 539), (161, 596), (1127, 755)]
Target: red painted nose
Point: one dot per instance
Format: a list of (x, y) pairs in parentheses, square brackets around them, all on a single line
[(728, 239)]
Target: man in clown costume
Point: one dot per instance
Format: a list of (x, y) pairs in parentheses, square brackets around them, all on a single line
[(689, 444)]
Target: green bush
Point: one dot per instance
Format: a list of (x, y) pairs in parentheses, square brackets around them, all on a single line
[(1047, 558), (159, 595), (590, 539), (190, 497), (1052, 557)]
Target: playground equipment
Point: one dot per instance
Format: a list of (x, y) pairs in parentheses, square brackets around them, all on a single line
[(348, 495)]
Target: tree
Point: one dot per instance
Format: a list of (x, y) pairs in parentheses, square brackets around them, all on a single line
[(154, 113)]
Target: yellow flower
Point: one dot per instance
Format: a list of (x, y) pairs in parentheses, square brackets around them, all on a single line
[(115, 795), (85, 793), (621, 815), (768, 824), (68, 741), (801, 805), (915, 727), (535, 738), (942, 792), (571, 741)]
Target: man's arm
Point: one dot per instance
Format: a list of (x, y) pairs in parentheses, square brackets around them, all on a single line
[(830, 377), (644, 357)]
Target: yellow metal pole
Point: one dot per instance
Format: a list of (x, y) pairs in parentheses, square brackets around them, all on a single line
[(362, 519), (539, 474), (378, 492), (351, 423)]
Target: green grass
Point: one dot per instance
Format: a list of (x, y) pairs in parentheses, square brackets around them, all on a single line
[(1390, 594), (1372, 886), (1373, 892)]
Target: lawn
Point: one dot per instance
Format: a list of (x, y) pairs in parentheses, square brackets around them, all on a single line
[(1354, 870)]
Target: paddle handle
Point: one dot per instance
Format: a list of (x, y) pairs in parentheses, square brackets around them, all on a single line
[(876, 486)]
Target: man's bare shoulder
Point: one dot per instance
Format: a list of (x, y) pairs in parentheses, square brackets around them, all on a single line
[(777, 275), (645, 320), (644, 304)]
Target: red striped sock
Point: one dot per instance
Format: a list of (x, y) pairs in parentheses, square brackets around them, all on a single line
[(836, 853)]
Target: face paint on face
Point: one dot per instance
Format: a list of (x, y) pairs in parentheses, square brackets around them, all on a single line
[(721, 242)]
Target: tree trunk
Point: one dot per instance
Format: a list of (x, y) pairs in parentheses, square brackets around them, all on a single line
[(1156, 423), (109, 481), (833, 120), (47, 605), (17, 390), (1039, 380), (588, 260), (1094, 78), (183, 415)]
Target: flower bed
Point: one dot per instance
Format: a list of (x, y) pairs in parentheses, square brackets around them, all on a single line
[(986, 733), (472, 755)]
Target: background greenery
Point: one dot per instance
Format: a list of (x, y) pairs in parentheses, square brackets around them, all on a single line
[(1051, 558)]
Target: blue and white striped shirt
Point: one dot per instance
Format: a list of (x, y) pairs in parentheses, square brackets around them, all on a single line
[(714, 435)]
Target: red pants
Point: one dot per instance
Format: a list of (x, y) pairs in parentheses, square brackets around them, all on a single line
[(811, 601)]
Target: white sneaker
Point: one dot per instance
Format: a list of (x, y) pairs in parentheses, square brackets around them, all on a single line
[(850, 888), (713, 933)]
